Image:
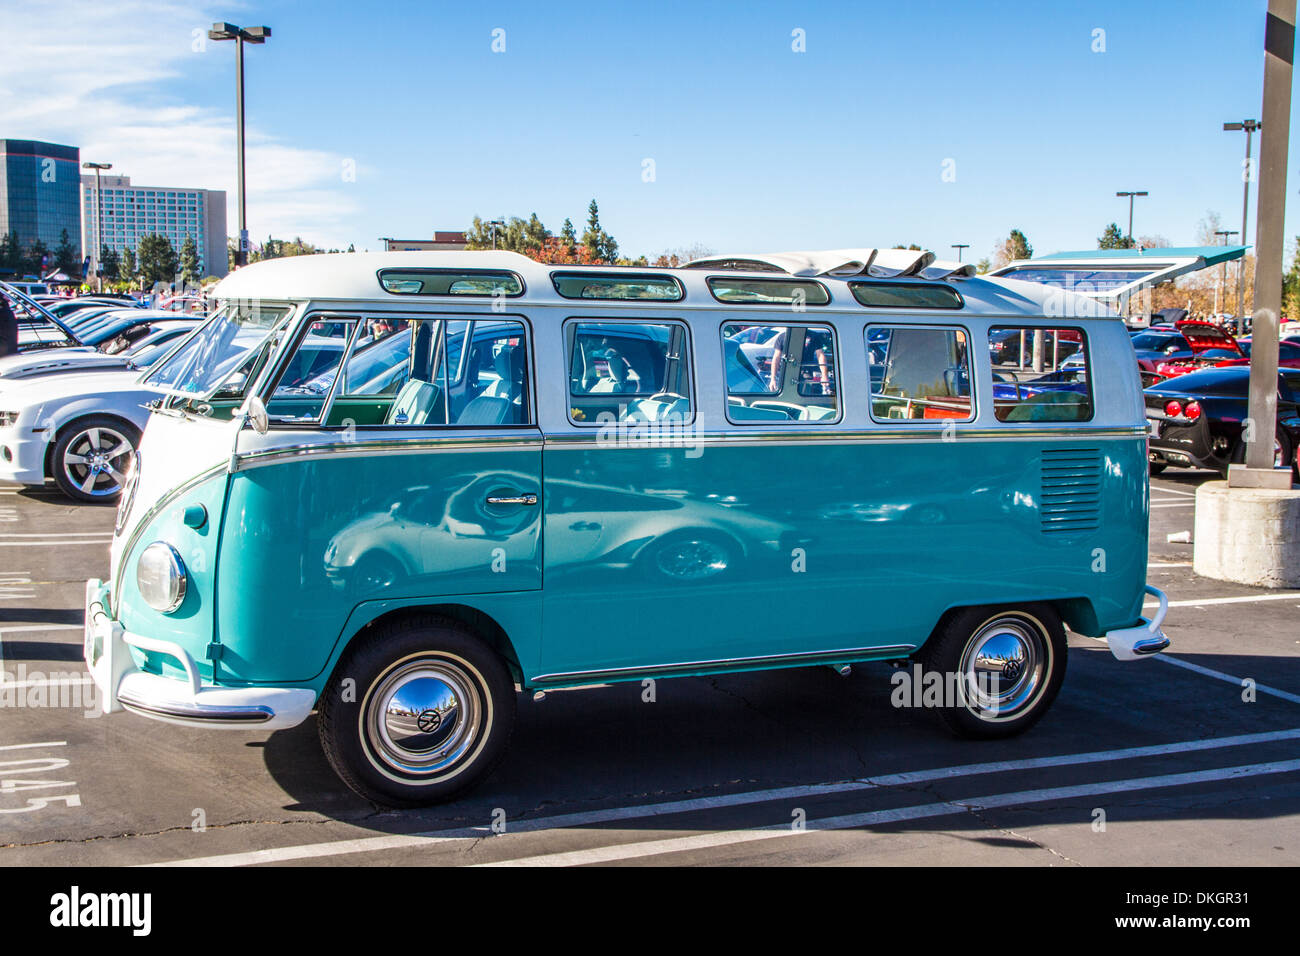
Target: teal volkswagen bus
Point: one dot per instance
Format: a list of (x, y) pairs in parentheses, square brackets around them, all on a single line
[(500, 476)]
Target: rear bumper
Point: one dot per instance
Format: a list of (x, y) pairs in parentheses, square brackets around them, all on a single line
[(1144, 640), (122, 685)]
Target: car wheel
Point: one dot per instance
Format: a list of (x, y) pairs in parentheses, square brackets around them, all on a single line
[(376, 571), (92, 456), (417, 713), (1001, 668), (1156, 465), (690, 556)]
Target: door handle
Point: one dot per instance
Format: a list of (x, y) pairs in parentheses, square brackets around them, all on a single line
[(515, 500)]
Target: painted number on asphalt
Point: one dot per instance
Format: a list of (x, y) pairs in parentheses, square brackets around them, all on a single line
[(22, 773)]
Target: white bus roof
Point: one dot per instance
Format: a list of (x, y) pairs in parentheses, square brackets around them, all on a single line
[(354, 276)]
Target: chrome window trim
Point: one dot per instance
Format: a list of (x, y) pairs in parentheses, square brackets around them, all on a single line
[(839, 372), (970, 366), (567, 367), (245, 461)]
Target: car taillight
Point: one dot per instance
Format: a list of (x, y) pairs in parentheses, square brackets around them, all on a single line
[(1193, 410), (1173, 408)]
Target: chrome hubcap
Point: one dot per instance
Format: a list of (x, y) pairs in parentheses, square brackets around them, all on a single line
[(1003, 668), (423, 716), (97, 460)]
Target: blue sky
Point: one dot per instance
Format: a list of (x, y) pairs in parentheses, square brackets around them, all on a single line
[(755, 147)]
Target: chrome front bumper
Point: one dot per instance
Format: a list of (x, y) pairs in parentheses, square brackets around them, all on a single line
[(122, 685), (1135, 643)]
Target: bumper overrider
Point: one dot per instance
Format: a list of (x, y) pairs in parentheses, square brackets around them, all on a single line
[(122, 685), (1144, 640)]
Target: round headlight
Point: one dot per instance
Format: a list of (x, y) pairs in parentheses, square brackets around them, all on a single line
[(160, 576)]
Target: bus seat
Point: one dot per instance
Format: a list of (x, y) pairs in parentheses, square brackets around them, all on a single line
[(414, 404), (489, 410)]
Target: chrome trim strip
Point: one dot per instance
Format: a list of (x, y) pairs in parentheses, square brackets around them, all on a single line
[(242, 461), (224, 715), (683, 438), (815, 657)]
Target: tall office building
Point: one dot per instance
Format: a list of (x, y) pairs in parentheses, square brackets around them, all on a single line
[(132, 212), (39, 193)]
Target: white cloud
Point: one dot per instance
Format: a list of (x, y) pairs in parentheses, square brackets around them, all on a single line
[(101, 76)]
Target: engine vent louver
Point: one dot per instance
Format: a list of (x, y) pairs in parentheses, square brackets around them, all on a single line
[(1070, 491)]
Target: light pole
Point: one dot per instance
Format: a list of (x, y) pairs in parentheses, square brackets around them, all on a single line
[(241, 35), (99, 222), (495, 224), (959, 246), (1131, 196), (1223, 269), (1247, 174)]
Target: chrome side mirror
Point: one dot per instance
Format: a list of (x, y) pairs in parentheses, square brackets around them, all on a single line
[(255, 414)]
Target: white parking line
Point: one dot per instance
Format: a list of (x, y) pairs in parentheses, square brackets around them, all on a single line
[(1174, 491), (1240, 599), (1220, 675), (1170, 564), (627, 851), (616, 814), (1181, 504), (55, 544), (19, 629), (49, 743)]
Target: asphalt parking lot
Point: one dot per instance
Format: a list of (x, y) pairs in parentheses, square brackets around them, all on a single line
[(1171, 761)]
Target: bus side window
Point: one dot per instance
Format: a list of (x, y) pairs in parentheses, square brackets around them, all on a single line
[(1040, 375), (780, 373), (919, 372)]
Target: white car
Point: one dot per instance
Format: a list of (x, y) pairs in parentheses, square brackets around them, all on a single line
[(82, 428), (157, 339)]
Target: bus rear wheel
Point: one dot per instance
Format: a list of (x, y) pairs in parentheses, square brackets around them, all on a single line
[(417, 713), (1001, 668)]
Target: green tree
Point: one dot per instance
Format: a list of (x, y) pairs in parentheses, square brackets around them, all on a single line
[(1013, 248), (189, 261), (157, 260), (598, 242), (911, 247), (1291, 285), (109, 262), (126, 271), (1113, 238), (11, 253), (65, 257), (535, 233), (37, 258), (983, 266), (568, 237)]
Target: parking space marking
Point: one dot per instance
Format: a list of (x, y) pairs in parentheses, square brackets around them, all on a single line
[(23, 628), (1173, 491), (616, 814), (1220, 675), (1181, 504), (945, 808), (1169, 564), (1239, 599)]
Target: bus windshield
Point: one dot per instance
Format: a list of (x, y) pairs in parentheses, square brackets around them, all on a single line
[(228, 345)]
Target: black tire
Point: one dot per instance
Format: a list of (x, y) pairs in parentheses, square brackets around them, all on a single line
[(1155, 467), (426, 662), (983, 708), (84, 438)]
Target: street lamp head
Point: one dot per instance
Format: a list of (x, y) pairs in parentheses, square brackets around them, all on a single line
[(256, 34), (96, 165), (223, 31)]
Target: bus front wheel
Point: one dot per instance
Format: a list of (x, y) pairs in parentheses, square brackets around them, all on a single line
[(417, 713)]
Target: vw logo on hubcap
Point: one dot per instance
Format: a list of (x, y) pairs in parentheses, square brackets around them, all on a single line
[(428, 720)]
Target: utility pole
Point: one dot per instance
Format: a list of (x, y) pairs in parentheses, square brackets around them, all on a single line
[(1223, 267), (1261, 421), (241, 35), (99, 222), (1131, 196), (1247, 174)]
